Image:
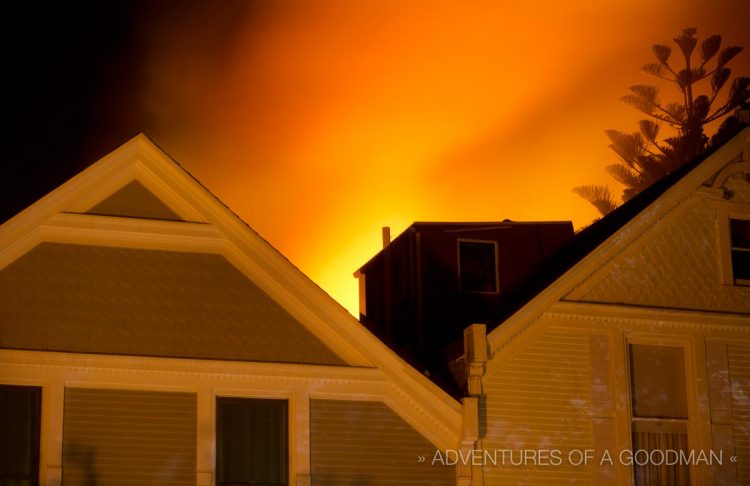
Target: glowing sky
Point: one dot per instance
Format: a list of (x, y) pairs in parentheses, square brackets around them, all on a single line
[(318, 122)]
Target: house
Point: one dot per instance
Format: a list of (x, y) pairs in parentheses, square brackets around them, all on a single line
[(637, 341), (426, 286), (624, 358), (149, 336)]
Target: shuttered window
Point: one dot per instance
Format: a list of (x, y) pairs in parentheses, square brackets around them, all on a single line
[(20, 412), (129, 438), (251, 442)]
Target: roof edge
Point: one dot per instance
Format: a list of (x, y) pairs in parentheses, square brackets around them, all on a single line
[(599, 237)]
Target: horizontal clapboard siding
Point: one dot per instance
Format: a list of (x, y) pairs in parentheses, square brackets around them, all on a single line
[(739, 375), (129, 438), (356, 442), (541, 399)]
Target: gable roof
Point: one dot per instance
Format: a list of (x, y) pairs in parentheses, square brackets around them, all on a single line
[(205, 226), (527, 297)]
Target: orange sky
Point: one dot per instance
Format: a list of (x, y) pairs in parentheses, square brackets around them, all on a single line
[(318, 122)]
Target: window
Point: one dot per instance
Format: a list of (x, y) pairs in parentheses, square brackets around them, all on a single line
[(251, 442), (477, 266), (659, 410), (739, 231), (20, 414)]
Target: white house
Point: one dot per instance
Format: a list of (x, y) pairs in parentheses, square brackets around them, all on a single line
[(149, 336), (637, 339)]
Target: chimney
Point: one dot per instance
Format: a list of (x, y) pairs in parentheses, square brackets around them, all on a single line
[(386, 236)]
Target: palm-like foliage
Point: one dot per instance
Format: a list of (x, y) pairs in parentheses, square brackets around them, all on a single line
[(599, 196), (643, 158)]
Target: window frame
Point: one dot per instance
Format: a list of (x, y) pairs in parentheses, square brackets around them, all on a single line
[(496, 256), (733, 249), (726, 212), (695, 417), (288, 431), (632, 401)]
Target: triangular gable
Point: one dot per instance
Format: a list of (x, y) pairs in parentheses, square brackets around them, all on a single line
[(703, 179), (139, 181), (678, 262), (134, 200), (208, 227)]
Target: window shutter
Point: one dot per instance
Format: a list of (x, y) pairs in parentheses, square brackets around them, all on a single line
[(129, 437), (602, 405)]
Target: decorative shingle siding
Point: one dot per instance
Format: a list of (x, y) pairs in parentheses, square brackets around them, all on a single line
[(541, 399), (366, 443), (76, 298), (678, 266), (129, 438)]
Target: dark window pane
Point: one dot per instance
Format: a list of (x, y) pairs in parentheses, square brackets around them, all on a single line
[(19, 434), (740, 231), (477, 266), (741, 264), (251, 441)]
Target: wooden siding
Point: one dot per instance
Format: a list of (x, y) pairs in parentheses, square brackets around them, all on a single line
[(541, 399), (739, 375), (366, 443), (129, 438)]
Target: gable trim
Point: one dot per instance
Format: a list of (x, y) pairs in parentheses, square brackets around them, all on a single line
[(213, 228), (513, 327), (138, 171), (85, 229), (664, 318), (226, 378)]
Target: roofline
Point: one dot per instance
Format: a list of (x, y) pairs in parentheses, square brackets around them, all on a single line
[(608, 226), (479, 225), (505, 222), (271, 271)]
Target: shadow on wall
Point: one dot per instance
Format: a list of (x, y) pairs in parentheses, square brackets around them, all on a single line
[(79, 465)]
